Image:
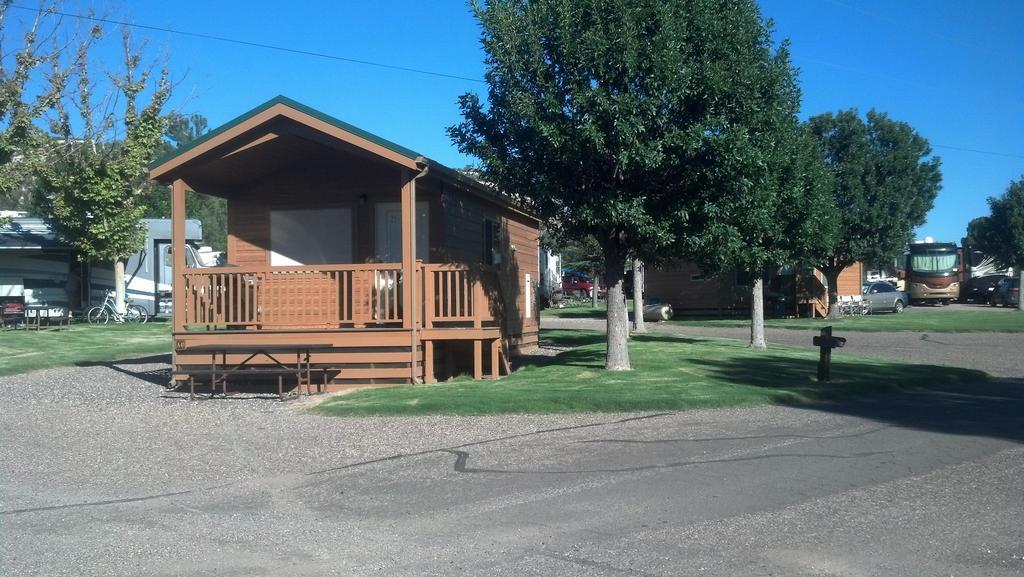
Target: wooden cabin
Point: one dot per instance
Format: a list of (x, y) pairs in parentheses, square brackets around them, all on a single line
[(684, 285), (373, 263)]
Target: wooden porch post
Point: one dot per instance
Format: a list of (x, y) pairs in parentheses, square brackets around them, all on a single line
[(178, 255), (410, 293), (478, 359), (428, 362), (495, 350)]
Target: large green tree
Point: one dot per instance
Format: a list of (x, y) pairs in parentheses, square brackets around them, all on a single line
[(885, 181), (91, 187), (1001, 235), (622, 120), (786, 218)]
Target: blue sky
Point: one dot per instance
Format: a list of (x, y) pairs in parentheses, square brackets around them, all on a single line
[(954, 70)]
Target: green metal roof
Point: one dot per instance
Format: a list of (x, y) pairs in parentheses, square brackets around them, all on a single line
[(396, 148)]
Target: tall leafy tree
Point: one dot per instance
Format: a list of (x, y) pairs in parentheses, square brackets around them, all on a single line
[(786, 218), (885, 181), (1001, 234), (91, 188), (623, 120)]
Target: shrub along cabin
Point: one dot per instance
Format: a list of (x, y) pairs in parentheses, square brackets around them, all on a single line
[(350, 259)]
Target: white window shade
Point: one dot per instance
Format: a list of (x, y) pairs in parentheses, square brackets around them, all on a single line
[(310, 236)]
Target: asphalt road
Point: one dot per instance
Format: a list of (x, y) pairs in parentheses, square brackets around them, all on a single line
[(101, 473)]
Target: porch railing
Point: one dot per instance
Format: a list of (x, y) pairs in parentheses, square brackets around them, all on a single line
[(330, 296), (455, 293)]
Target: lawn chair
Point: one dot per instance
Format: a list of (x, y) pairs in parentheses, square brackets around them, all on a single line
[(845, 305), (859, 306)]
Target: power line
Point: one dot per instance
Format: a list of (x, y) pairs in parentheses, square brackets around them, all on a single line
[(979, 151), (438, 74), (918, 29), (259, 45)]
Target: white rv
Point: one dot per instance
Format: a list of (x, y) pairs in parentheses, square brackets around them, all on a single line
[(36, 267)]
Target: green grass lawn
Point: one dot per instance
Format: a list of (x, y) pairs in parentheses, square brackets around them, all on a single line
[(670, 373), (917, 320), (25, 351)]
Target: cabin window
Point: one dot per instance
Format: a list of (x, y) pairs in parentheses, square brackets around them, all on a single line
[(492, 243), (310, 236), (388, 226)]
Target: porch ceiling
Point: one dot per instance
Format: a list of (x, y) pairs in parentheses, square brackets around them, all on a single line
[(232, 154), (267, 155)]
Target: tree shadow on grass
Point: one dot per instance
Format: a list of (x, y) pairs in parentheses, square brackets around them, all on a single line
[(941, 399), (579, 313), (591, 357)]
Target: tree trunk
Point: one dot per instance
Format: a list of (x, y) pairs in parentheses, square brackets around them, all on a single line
[(119, 301), (617, 322), (593, 290), (638, 296), (832, 277), (1020, 289), (757, 340)]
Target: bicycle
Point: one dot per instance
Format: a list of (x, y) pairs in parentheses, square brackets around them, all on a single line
[(102, 314)]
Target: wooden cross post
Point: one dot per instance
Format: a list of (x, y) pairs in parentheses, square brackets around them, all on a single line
[(825, 343), (825, 355)]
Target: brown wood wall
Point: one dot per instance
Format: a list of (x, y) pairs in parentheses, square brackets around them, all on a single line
[(673, 284), (464, 242), (358, 188), (851, 280)]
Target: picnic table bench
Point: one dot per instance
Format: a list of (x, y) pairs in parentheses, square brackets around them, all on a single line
[(220, 369)]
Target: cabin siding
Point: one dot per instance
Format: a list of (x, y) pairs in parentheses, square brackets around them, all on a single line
[(851, 280), (464, 232), (683, 285)]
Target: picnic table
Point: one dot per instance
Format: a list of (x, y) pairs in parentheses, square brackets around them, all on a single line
[(220, 368), (36, 313)]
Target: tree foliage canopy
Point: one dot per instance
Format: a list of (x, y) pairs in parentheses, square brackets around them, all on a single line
[(625, 119), (91, 186), (33, 79), (181, 130), (1001, 234), (884, 183)]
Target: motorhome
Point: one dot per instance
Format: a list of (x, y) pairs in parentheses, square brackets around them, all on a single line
[(37, 267)]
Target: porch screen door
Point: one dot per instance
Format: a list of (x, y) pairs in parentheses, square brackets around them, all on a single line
[(310, 236), (389, 231)]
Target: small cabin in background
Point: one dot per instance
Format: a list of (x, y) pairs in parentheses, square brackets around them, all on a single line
[(690, 292), (366, 256)]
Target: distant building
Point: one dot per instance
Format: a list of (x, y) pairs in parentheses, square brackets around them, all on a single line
[(791, 292)]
